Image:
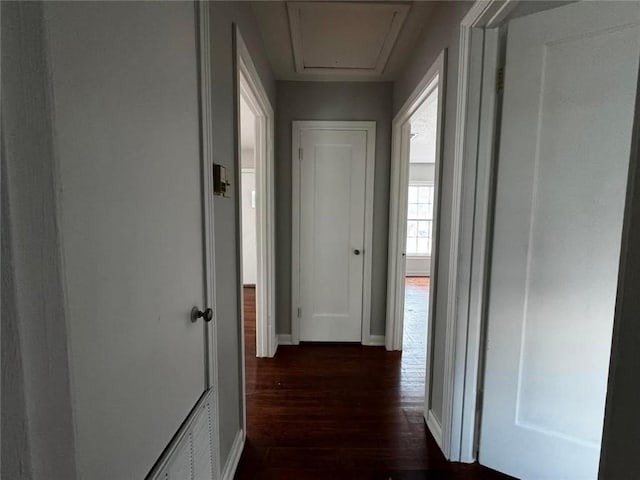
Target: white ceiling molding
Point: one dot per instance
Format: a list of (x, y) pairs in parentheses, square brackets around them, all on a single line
[(344, 37)]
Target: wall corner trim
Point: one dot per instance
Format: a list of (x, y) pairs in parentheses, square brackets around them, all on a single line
[(375, 341), (233, 460)]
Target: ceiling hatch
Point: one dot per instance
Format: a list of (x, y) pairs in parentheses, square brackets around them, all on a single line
[(344, 37)]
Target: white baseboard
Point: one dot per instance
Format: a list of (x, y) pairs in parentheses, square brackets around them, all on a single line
[(234, 457), (375, 341), (434, 427)]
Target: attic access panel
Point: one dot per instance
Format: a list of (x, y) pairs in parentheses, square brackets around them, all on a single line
[(344, 37)]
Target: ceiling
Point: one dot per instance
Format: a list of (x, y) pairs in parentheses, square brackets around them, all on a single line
[(340, 41), (424, 128)]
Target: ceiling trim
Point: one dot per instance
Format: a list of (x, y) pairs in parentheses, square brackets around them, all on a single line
[(295, 9)]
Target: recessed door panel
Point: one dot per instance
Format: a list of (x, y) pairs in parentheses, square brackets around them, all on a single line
[(571, 77), (332, 201)]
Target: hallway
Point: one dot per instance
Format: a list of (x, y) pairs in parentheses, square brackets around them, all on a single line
[(330, 411)]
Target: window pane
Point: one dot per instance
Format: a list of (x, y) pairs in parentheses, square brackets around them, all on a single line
[(412, 228), (413, 210), (411, 245), (423, 194), (424, 229), (424, 211), (424, 246), (413, 194)]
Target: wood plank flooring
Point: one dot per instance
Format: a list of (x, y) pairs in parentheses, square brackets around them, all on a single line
[(343, 411)]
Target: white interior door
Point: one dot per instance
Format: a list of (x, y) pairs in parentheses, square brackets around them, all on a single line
[(127, 134), (569, 96), (332, 220)]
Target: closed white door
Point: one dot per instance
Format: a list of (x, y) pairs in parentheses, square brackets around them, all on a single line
[(127, 135), (570, 82), (332, 213)]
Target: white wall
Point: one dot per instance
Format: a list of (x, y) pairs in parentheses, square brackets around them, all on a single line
[(248, 185), (249, 246)]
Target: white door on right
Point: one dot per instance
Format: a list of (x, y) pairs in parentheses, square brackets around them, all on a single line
[(570, 81)]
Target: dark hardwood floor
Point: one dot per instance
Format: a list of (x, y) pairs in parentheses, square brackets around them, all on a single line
[(342, 411)]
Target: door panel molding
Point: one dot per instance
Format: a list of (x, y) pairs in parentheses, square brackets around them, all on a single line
[(550, 312), (297, 128)]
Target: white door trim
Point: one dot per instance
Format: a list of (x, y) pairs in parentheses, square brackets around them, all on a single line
[(252, 90), (470, 227), (434, 78), (247, 82), (399, 188), (297, 128), (203, 18)]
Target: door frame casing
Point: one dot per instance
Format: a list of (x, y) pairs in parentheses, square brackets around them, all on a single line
[(298, 126), (249, 86), (399, 188), (396, 271), (205, 94), (473, 186), (247, 80)]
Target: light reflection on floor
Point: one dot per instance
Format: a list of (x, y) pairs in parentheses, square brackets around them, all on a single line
[(416, 306)]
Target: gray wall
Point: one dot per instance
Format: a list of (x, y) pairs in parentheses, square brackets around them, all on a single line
[(332, 101), (224, 15), (37, 429), (441, 31)]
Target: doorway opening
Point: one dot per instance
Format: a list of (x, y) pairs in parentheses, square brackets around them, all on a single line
[(418, 251), (255, 204), (413, 229), (248, 193)]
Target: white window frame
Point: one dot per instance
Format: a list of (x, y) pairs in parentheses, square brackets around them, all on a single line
[(422, 183)]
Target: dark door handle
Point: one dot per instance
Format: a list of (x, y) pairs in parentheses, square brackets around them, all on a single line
[(356, 251), (196, 313)]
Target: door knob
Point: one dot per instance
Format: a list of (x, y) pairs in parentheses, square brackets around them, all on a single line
[(196, 313), (356, 251)]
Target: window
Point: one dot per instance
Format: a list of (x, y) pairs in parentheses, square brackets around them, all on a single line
[(419, 219)]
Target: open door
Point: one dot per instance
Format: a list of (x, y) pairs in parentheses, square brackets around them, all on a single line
[(570, 85)]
